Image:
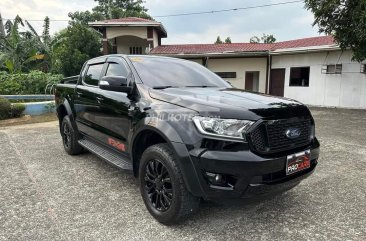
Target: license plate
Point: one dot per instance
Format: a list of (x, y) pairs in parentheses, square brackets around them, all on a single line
[(297, 162)]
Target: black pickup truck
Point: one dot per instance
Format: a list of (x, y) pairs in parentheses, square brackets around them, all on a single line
[(184, 132)]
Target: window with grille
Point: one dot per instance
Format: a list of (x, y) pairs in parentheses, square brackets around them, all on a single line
[(332, 69), (135, 50)]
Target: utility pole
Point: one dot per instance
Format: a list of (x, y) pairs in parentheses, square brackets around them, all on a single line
[(2, 31)]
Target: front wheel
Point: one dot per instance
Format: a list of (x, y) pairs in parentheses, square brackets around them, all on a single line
[(162, 186)]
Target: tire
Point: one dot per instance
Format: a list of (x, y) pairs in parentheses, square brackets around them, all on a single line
[(162, 186), (70, 137)]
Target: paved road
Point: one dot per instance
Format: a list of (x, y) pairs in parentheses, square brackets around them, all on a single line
[(47, 195)]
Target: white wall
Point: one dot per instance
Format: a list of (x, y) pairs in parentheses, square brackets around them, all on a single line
[(113, 32), (341, 90), (124, 43), (240, 66)]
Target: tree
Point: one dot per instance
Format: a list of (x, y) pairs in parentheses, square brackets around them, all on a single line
[(46, 31), (73, 46), (111, 9), (85, 17), (228, 40), (2, 30), (218, 40), (254, 39), (43, 44), (19, 50), (345, 20), (266, 38)]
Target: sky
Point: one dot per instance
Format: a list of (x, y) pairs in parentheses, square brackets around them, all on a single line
[(285, 22)]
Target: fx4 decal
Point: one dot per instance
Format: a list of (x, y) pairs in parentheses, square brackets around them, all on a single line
[(116, 144)]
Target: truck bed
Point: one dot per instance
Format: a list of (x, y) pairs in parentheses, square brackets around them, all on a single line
[(70, 80)]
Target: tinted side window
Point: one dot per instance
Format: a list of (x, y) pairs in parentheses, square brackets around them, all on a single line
[(93, 74), (116, 70)]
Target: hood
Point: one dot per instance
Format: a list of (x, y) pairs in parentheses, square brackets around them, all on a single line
[(231, 103)]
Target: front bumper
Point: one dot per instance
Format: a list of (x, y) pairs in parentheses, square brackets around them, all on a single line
[(249, 174)]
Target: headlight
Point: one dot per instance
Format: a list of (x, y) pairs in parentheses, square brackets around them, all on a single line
[(222, 127)]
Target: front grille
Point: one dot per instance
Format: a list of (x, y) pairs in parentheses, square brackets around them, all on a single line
[(270, 136)]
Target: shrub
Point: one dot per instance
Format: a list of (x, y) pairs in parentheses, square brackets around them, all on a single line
[(5, 109), (50, 107), (34, 82), (17, 110)]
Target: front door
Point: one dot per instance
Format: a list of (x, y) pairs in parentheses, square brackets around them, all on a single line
[(277, 82)]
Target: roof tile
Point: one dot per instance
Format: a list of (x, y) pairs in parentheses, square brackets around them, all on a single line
[(305, 42), (241, 47)]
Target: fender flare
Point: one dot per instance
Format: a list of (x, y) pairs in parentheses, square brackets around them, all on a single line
[(154, 124), (69, 113), (172, 138), (67, 106)]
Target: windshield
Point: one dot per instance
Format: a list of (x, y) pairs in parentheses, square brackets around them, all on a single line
[(168, 72)]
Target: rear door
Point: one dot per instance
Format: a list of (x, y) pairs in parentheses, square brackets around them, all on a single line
[(87, 98), (114, 118)]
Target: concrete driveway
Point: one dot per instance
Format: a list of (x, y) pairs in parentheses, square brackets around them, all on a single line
[(46, 194)]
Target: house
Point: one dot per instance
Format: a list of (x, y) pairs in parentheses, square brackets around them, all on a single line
[(313, 70)]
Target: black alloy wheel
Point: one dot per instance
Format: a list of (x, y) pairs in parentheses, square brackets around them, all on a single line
[(66, 135), (162, 186), (158, 185)]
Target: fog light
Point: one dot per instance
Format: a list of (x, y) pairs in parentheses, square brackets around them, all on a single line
[(220, 180)]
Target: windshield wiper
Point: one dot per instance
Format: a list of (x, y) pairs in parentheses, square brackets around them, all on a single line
[(162, 87)]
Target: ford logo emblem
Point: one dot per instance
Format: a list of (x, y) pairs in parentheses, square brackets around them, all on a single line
[(293, 133)]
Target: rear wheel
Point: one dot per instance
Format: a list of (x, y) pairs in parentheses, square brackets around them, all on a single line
[(162, 186), (70, 137)]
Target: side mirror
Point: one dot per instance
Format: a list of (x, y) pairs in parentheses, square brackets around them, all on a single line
[(115, 83)]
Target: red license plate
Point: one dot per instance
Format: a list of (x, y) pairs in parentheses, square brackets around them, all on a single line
[(297, 162)]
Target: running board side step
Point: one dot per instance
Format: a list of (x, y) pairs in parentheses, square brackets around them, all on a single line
[(108, 155)]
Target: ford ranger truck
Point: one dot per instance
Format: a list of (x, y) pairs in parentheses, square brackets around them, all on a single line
[(184, 132)]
